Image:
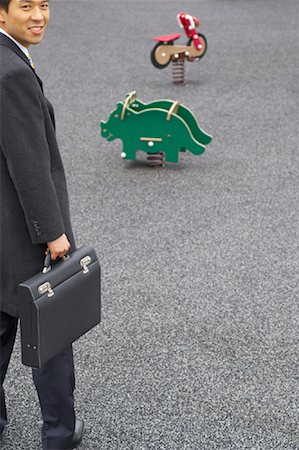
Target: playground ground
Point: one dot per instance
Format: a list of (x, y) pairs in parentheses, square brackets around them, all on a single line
[(198, 347)]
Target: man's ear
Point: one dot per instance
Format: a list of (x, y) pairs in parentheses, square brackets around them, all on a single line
[(2, 15)]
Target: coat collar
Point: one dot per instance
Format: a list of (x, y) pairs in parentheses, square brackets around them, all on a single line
[(7, 42)]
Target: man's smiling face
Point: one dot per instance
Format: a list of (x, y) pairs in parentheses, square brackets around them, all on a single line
[(26, 20)]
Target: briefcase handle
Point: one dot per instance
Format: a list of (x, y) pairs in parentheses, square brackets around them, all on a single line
[(47, 261)]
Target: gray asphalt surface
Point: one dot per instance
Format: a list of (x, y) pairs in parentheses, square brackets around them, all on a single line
[(198, 348)]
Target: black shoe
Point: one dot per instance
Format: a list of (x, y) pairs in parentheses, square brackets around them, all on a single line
[(77, 435)]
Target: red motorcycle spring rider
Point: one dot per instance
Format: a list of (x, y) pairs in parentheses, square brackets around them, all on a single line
[(166, 50)]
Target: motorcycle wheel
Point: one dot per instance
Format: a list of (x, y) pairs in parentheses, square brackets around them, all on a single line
[(205, 44), (153, 56)]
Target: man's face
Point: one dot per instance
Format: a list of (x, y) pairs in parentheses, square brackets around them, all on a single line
[(26, 20)]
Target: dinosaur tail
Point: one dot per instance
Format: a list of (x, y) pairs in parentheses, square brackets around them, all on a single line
[(198, 133)]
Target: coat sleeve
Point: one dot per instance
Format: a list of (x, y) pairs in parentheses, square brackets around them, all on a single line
[(24, 144)]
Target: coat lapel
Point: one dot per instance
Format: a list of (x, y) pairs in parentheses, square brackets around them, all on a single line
[(4, 40)]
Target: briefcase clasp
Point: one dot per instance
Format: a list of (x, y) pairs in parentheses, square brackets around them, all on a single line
[(46, 287), (84, 263)]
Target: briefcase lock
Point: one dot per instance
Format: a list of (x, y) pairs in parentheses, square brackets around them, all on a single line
[(46, 287), (84, 262)]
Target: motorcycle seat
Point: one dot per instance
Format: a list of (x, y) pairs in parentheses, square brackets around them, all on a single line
[(167, 37)]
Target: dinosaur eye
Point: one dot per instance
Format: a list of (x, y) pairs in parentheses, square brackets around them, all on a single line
[(116, 116), (105, 129)]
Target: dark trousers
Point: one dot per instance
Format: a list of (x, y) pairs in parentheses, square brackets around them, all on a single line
[(54, 383)]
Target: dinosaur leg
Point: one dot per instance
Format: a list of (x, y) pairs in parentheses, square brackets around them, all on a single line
[(129, 151), (171, 155)]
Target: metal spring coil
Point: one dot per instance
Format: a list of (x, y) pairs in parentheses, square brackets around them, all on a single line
[(156, 159), (178, 70)]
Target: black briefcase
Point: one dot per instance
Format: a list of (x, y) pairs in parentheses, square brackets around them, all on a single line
[(59, 305)]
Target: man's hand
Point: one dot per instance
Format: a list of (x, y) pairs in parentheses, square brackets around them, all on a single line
[(59, 247)]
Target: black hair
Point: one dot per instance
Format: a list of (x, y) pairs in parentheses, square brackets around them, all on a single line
[(4, 4)]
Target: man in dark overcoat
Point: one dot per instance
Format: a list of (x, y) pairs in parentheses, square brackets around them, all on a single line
[(34, 209)]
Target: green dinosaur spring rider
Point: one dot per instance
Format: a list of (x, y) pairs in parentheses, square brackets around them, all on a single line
[(162, 129)]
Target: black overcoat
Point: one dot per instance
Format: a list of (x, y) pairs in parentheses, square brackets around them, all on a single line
[(34, 206)]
